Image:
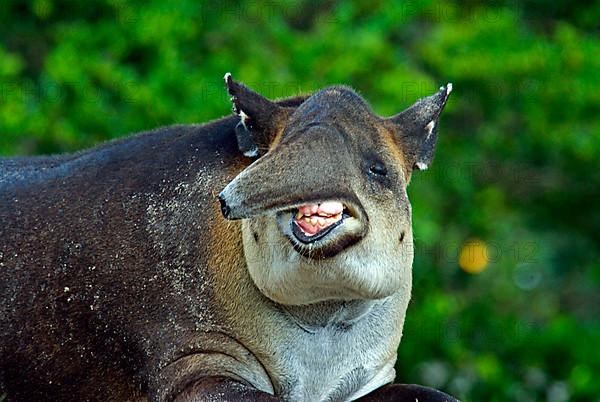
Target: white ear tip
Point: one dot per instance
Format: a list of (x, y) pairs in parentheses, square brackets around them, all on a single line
[(448, 88), (227, 77), (421, 166)]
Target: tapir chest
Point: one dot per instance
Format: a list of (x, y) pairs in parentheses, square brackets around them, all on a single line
[(323, 368), (337, 362)]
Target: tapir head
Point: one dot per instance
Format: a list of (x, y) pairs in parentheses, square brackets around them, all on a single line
[(324, 207)]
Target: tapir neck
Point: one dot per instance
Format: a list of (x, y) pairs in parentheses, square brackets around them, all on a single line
[(311, 317)]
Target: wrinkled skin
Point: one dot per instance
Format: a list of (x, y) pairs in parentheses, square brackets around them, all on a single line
[(121, 280)]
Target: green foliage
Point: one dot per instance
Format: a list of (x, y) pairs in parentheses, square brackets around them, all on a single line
[(517, 163)]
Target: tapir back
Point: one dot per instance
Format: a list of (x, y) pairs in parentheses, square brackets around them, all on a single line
[(103, 260)]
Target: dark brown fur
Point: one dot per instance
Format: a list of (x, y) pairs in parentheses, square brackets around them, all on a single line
[(89, 309)]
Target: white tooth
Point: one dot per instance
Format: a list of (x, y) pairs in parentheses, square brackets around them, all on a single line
[(299, 215), (313, 221), (307, 219), (331, 207)]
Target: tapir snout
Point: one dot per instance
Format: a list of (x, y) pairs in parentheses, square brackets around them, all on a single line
[(315, 165)]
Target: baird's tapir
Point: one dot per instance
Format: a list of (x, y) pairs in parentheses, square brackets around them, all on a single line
[(262, 256)]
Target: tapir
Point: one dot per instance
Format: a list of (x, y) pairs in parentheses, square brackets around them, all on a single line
[(262, 256)]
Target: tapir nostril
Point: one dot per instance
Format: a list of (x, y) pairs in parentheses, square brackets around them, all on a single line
[(224, 207)]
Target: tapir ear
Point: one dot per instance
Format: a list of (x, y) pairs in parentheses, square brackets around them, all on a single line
[(417, 128), (260, 119)]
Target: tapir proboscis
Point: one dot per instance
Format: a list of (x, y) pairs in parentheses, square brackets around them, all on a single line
[(262, 256)]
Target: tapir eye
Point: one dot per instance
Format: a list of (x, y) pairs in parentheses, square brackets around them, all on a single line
[(378, 168)]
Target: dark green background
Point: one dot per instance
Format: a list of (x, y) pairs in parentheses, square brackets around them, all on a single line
[(517, 164)]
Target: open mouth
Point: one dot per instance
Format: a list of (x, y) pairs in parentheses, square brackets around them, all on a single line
[(322, 229), (312, 222)]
